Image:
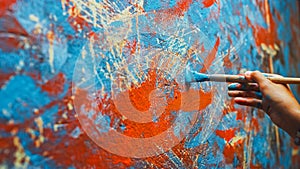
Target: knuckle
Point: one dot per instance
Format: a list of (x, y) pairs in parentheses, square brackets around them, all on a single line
[(255, 73), (264, 85)]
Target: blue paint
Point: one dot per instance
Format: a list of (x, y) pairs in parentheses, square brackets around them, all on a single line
[(228, 122), (182, 122), (234, 86), (258, 94), (150, 5), (102, 123), (76, 132), (21, 88), (18, 91), (193, 76), (174, 159), (122, 127), (49, 115)]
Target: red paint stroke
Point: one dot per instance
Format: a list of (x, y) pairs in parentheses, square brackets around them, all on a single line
[(137, 6), (255, 124), (76, 20), (256, 166), (208, 3), (62, 149), (267, 36), (163, 17), (182, 6), (211, 57), (213, 14), (80, 152), (56, 85), (12, 32), (226, 134), (106, 105), (139, 97), (6, 144), (230, 150), (6, 5), (227, 62), (86, 153), (5, 77), (130, 48)]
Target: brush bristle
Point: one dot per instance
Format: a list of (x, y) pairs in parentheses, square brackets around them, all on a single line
[(193, 76), (200, 77)]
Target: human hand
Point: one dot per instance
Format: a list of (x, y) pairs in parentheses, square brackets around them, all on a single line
[(275, 99)]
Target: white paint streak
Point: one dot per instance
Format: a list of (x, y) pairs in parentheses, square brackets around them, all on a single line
[(21, 159)]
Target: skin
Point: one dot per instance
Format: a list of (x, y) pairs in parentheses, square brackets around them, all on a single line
[(275, 99)]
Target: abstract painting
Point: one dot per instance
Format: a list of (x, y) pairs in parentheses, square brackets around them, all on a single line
[(102, 83)]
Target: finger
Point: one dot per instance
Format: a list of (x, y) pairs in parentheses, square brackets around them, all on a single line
[(248, 102), (262, 81), (244, 86), (267, 108), (251, 94), (276, 75)]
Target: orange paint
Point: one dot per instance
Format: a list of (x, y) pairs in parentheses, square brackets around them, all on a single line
[(208, 3), (240, 116), (139, 97), (55, 85), (255, 124), (6, 143), (183, 6), (6, 5), (227, 61), (267, 36), (121, 160), (11, 26), (226, 134), (255, 166), (165, 15), (76, 20), (73, 156), (211, 57), (230, 150), (50, 36), (159, 162), (131, 46)]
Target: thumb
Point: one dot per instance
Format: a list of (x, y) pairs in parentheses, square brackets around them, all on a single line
[(259, 78)]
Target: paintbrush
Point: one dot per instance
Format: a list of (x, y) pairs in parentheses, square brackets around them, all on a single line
[(193, 76)]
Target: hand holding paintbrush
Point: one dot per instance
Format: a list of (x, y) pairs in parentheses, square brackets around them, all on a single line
[(268, 92), (275, 99), (193, 76)]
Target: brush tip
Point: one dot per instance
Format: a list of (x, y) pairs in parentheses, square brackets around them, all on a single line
[(193, 76)]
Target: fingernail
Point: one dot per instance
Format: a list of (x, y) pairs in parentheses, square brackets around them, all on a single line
[(234, 86), (248, 73)]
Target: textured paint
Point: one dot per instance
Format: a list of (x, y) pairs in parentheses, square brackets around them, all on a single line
[(123, 63), (208, 3), (192, 76)]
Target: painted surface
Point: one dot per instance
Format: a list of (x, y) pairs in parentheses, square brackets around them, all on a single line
[(100, 84)]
